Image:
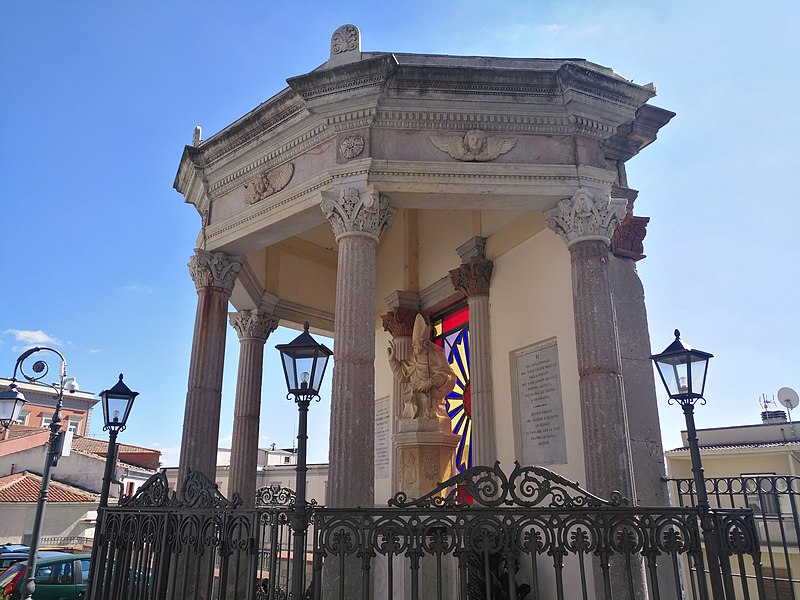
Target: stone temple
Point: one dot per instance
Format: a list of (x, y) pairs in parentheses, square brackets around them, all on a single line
[(488, 194)]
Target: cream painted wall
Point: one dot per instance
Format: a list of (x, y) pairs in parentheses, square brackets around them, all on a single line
[(440, 233), (62, 519), (531, 301)]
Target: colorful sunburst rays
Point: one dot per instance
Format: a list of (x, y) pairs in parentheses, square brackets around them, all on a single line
[(457, 347)]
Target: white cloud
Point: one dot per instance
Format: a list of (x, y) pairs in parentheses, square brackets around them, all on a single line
[(94, 350), (170, 455), (138, 288), (553, 28), (32, 337)]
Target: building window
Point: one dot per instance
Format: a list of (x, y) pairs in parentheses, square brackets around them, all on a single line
[(286, 460), (761, 493), (22, 419), (71, 425), (450, 330)]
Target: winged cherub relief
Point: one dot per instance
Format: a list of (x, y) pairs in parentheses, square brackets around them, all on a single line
[(474, 145), (267, 183)]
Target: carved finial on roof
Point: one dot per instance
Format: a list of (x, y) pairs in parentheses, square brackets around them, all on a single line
[(345, 45), (197, 136)]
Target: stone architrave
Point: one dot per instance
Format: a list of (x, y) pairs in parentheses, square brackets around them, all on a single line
[(253, 328), (586, 223), (214, 275), (358, 218), (473, 278)]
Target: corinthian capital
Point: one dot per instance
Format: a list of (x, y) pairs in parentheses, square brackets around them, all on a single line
[(215, 269), (586, 217), (253, 324), (473, 276), (399, 321), (358, 213)]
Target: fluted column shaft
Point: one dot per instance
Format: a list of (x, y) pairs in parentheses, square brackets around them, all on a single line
[(358, 218), (214, 274), (484, 447), (606, 439), (253, 328), (473, 278), (352, 437)]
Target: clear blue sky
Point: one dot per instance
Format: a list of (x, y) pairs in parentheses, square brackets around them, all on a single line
[(100, 97)]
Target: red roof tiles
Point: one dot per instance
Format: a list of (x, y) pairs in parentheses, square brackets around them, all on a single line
[(24, 487)]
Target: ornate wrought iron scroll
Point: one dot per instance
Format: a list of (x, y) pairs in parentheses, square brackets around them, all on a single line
[(527, 487), (274, 495), (197, 492), (153, 493)]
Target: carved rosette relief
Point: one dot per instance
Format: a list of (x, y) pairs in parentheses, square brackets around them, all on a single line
[(473, 277), (253, 324), (215, 269), (358, 214), (628, 238), (351, 146), (267, 182), (474, 145), (345, 39), (586, 217)]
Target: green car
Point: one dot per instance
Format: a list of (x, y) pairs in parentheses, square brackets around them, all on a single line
[(57, 578)]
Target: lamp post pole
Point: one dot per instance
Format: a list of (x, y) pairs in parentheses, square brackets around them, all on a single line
[(300, 505), (304, 361), (683, 371), (40, 369), (117, 403)]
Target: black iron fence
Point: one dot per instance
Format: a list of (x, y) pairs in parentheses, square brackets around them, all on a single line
[(774, 500), (528, 535)]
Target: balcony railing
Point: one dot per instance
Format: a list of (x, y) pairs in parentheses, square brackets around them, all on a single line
[(484, 534), (775, 501)]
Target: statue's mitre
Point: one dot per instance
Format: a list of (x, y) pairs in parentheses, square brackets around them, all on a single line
[(421, 330)]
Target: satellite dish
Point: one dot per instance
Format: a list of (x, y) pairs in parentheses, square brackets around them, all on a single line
[(788, 397)]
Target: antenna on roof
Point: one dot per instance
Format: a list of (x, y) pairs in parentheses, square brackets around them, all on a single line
[(789, 398)]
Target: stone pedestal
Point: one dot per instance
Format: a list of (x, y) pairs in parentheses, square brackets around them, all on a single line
[(424, 450)]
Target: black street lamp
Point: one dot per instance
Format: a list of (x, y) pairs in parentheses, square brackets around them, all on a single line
[(683, 372), (39, 369), (11, 403), (304, 361), (117, 403)]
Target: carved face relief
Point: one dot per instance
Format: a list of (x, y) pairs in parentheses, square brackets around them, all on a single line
[(474, 141), (267, 183), (474, 145)]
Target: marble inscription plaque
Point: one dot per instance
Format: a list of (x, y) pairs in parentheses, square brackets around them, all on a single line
[(382, 438), (537, 386)]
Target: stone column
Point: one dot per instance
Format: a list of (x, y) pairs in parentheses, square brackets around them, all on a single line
[(214, 275), (637, 370), (358, 219), (472, 278), (253, 328), (586, 223)]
